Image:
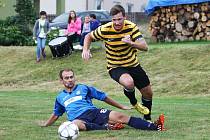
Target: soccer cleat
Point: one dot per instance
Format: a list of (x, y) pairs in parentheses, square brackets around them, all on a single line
[(141, 109), (160, 123), (116, 126)]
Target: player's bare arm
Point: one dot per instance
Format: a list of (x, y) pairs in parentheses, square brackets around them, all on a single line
[(116, 104), (86, 49), (139, 43), (50, 121)]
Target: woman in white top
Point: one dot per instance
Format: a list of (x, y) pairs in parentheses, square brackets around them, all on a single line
[(41, 28)]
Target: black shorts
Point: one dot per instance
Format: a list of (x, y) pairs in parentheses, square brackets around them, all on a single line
[(97, 116), (139, 76)]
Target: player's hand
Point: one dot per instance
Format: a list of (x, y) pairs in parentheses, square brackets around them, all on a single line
[(126, 107), (86, 55), (126, 39), (41, 123)]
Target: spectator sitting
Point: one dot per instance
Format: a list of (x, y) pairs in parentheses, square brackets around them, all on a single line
[(86, 28), (90, 24), (73, 29), (94, 22)]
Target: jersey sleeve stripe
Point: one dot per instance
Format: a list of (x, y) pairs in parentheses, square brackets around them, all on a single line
[(138, 37)]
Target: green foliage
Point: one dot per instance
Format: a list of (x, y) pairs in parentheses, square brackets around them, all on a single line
[(26, 12), (11, 34), (17, 30), (25, 17), (54, 33), (2, 4)]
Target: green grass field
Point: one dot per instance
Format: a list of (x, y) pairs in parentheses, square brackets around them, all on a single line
[(179, 73)]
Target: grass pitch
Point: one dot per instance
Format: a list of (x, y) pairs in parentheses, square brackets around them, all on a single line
[(179, 72)]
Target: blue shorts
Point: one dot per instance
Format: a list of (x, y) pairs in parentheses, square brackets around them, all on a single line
[(97, 116)]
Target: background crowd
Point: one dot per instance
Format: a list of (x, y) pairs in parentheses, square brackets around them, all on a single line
[(75, 32)]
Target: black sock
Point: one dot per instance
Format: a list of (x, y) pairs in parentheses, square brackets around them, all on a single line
[(147, 103), (130, 93), (139, 123), (94, 126)]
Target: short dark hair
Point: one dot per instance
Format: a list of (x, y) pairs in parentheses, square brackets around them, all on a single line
[(117, 9), (93, 16), (67, 70), (43, 13)]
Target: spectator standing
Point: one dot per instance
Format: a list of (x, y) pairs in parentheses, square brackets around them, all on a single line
[(40, 30)]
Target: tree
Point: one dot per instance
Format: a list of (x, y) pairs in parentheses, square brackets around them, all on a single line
[(25, 15), (2, 4)]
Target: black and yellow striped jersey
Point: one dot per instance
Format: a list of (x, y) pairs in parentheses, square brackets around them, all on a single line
[(118, 53)]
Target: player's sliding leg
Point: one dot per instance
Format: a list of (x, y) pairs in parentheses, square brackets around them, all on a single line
[(160, 122), (137, 123), (87, 126), (93, 126)]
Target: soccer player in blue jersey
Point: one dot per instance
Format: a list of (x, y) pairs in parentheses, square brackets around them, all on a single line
[(122, 41), (76, 101)]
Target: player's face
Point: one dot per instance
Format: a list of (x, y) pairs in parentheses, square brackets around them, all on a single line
[(68, 79), (118, 21)]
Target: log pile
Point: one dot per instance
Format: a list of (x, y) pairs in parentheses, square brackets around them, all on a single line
[(181, 23)]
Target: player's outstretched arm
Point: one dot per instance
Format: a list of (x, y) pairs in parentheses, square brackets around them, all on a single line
[(112, 102), (50, 121), (86, 48)]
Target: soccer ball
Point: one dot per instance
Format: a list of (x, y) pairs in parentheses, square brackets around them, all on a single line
[(68, 131)]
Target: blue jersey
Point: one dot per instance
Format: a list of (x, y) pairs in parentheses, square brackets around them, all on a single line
[(77, 102)]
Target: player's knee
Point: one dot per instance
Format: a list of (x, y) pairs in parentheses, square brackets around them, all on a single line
[(127, 82), (80, 124), (122, 118)]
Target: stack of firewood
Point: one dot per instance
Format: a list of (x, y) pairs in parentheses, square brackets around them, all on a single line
[(181, 23)]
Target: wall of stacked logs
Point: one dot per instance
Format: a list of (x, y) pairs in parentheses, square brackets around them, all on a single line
[(181, 23)]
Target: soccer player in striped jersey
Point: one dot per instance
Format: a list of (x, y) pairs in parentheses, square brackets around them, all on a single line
[(122, 40)]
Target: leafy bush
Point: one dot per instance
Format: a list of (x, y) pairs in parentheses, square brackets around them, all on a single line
[(11, 34), (54, 33), (17, 30)]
